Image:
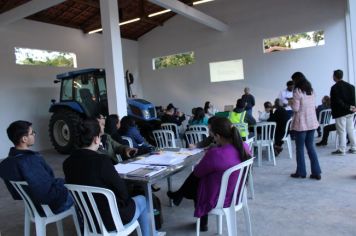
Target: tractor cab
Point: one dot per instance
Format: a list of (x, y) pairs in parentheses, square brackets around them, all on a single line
[(83, 94)]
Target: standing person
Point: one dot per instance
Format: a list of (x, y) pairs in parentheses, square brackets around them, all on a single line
[(285, 96), (342, 101), (23, 164), (249, 100), (304, 125), (203, 185)]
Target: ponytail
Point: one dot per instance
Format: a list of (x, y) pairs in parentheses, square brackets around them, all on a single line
[(238, 143)]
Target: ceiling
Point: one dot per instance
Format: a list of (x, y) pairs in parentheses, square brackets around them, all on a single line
[(85, 15)]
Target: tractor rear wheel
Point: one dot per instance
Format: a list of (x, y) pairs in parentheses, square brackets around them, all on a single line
[(63, 130)]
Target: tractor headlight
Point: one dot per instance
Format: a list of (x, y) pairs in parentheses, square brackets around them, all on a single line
[(146, 114)]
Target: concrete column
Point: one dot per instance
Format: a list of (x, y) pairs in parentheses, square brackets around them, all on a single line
[(351, 39), (114, 68)]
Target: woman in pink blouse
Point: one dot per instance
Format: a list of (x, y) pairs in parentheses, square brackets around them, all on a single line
[(304, 125), (203, 185)]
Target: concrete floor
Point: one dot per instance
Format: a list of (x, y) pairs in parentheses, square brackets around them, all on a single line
[(282, 205)]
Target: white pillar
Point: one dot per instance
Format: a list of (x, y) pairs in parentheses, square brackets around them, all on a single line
[(114, 68), (351, 39)]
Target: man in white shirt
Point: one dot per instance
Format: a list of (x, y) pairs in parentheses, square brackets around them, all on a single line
[(285, 96)]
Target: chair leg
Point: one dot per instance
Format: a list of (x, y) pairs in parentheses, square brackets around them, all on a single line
[(40, 228), (76, 222), (269, 153), (27, 228), (230, 215), (138, 230), (219, 224), (60, 228), (198, 227), (289, 146), (250, 184), (273, 156), (259, 154), (247, 216)]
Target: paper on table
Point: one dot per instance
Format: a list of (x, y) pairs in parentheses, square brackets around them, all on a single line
[(126, 168)]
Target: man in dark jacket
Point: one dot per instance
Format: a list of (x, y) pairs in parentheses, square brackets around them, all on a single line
[(342, 98), (22, 164)]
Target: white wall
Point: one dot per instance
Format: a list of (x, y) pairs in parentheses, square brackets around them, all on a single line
[(250, 22), (26, 91)]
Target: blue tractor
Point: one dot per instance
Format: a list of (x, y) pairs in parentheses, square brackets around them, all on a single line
[(84, 94)]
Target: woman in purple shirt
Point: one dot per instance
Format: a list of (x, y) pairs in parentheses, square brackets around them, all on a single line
[(203, 185)]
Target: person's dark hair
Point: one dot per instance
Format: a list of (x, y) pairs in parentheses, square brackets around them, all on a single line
[(98, 116), (290, 83), (199, 114), (126, 123), (277, 103), (111, 124), (338, 74), (267, 104), (326, 101), (170, 106), (88, 130), (240, 103), (297, 76), (206, 106), (223, 127), (17, 130), (211, 119), (304, 85)]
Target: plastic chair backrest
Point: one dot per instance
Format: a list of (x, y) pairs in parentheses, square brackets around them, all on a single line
[(286, 132), (198, 128), (172, 127), (83, 195), (128, 141), (164, 138), (243, 169), (265, 131), (324, 117), (193, 137), (30, 206)]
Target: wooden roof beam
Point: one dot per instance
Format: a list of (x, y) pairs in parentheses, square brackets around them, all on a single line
[(26, 10), (191, 13)]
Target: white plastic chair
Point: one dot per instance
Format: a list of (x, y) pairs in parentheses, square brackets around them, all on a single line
[(198, 128), (249, 142), (239, 200), (128, 140), (173, 127), (286, 138), (324, 119), (193, 137), (265, 138), (164, 138), (84, 199), (31, 214)]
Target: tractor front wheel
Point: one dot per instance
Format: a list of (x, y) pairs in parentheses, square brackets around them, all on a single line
[(63, 130)]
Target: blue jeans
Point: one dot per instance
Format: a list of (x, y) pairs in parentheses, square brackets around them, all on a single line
[(66, 205), (141, 214), (306, 138)]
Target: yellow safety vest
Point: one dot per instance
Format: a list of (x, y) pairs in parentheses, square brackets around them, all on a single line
[(235, 117)]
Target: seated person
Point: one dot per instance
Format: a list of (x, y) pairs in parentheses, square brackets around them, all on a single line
[(112, 125), (23, 164), (239, 114), (281, 117), (199, 117), (116, 151), (172, 115), (326, 131), (208, 141), (203, 185), (209, 109), (85, 166), (128, 128), (264, 115), (325, 104)]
